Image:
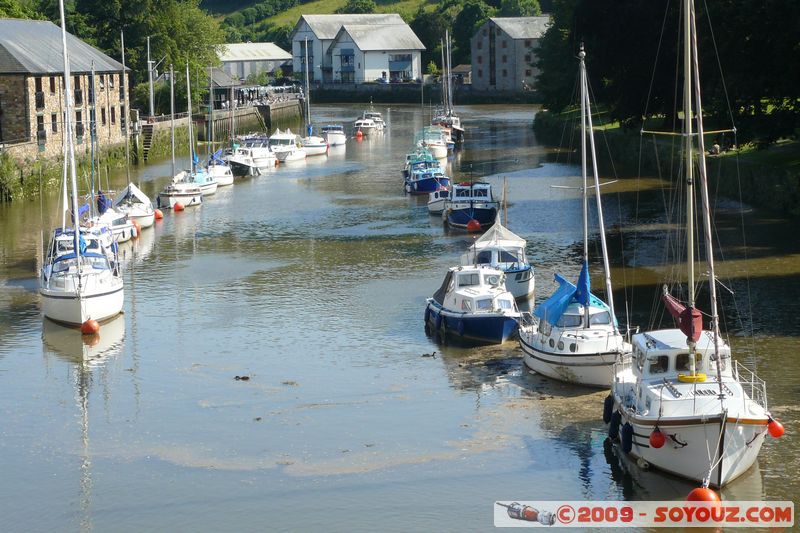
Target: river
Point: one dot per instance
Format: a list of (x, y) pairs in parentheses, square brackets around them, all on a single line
[(310, 281)]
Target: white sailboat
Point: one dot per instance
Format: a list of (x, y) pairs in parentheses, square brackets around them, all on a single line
[(682, 404), (573, 335), (80, 284), (312, 144), (217, 169)]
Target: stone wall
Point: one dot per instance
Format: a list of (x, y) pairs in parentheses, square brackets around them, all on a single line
[(13, 105)]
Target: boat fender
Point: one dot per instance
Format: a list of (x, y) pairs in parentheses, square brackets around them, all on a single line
[(608, 406), (626, 434), (613, 428)]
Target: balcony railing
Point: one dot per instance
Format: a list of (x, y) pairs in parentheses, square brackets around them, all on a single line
[(39, 100)]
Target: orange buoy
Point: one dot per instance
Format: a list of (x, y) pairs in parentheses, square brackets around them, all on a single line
[(177, 207), (90, 327), (158, 214), (359, 135), (703, 494), (775, 428), (473, 225), (657, 438), (138, 228)]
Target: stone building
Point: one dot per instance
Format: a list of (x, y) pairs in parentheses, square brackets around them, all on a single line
[(32, 91), (504, 53)]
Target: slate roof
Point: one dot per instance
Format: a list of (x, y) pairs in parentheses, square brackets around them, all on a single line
[(523, 27), (382, 37), (253, 52), (34, 47), (328, 26)]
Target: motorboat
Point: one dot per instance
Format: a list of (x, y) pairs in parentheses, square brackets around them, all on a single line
[(437, 200), (434, 139), (471, 206), (252, 156), (375, 117), (180, 190), (219, 170), (366, 126), (420, 159), (286, 146), (574, 336), (314, 145), (134, 203), (426, 180), (334, 134), (502, 249), (681, 404), (473, 305)]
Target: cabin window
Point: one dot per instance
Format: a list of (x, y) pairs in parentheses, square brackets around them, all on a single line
[(639, 356), (659, 364), (683, 361), (560, 345), (483, 305), (484, 257), (505, 304), (569, 321), (466, 306), (600, 318), (573, 347), (492, 279), (468, 280), (480, 193)]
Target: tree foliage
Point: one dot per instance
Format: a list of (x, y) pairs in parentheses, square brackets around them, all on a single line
[(519, 8), (358, 6), (467, 22)]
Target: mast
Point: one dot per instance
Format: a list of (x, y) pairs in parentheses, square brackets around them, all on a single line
[(172, 114), (308, 98), (449, 109), (606, 266), (92, 120), (210, 110), (585, 199), (69, 138), (189, 105), (150, 76), (127, 111), (444, 79), (701, 160)]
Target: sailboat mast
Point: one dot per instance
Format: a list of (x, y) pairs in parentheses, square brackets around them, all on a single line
[(69, 133), (172, 114), (127, 111), (92, 143), (702, 171), (449, 109), (595, 172), (584, 172), (444, 79), (189, 105), (308, 99), (687, 133), (210, 110)]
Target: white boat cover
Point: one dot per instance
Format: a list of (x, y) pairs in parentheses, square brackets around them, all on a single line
[(499, 235), (133, 191)]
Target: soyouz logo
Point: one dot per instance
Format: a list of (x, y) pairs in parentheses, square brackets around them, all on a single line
[(778, 514)]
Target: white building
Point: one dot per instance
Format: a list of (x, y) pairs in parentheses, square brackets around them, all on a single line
[(504, 53), (240, 60), (356, 48)]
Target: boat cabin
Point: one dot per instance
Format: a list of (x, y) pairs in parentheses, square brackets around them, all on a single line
[(474, 289), (504, 258), (664, 354), (477, 190)]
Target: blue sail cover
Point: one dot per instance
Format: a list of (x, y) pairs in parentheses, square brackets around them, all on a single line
[(567, 293)]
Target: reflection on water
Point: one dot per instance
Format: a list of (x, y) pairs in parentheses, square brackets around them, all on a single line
[(311, 280)]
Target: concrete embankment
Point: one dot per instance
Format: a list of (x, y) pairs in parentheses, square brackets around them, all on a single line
[(772, 188)]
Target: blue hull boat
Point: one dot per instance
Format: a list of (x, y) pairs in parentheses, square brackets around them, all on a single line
[(460, 218), (489, 329)]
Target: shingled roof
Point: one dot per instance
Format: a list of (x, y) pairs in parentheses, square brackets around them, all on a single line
[(34, 47)]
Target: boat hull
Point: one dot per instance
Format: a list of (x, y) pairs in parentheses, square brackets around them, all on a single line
[(589, 369), (483, 328), (426, 185), (315, 149), (98, 303), (168, 201), (521, 283), (461, 217), (290, 155), (335, 138), (685, 453)]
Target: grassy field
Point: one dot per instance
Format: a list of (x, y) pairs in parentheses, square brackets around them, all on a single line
[(405, 8)]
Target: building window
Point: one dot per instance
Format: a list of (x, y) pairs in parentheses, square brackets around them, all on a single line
[(528, 43), (505, 73), (479, 45), (480, 60), (122, 117), (79, 125), (348, 77), (111, 80), (348, 60), (503, 60), (480, 73), (528, 73), (54, 122), (52, 85), (113, 115), (40, 124), (503, 44), (527, 58), (77, 82), (103, 115), (102, 81), (38, 83)]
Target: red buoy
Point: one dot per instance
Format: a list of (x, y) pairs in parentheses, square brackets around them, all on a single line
[(158, 214), (177, 207), (703, 494), (138, 228), (473, 225), (359, 135), (90, 327), (657, 438), (775, 428)]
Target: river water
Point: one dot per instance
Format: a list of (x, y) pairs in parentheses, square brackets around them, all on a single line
[(311, 281)]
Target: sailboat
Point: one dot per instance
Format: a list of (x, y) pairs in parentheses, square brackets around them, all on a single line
[(573, 335), (179, 192), (218, 170), (312, 144), (194, 175), (77, 282), (446, 116), (682, 404), (131, 201)]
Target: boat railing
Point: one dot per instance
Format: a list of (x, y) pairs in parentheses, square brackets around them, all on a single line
[(751, 383)]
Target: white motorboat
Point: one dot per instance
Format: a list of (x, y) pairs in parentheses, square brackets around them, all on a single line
[(136, 205), (252, 157), (573, 335), (471, 206), (81, 284), (286, 146), (375, 117), (682, 405), (219, 171), (434, 139), (473, 305), (334, 134), (437, 200), (365, 125), (502, 249)]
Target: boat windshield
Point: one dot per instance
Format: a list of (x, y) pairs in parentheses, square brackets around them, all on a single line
[(569, 321), (484, 304), (603, 318), (468, 280)]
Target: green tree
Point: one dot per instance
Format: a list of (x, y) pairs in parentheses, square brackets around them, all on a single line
[(471, 17), (520, 8), (17, 10), (358, 6), (433, 69)]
